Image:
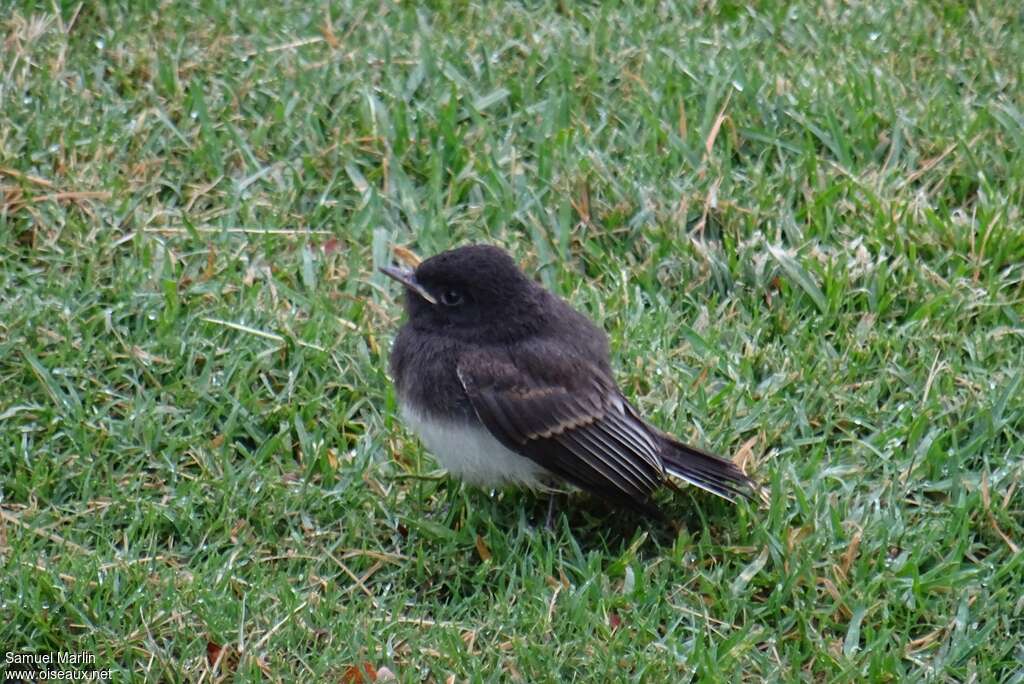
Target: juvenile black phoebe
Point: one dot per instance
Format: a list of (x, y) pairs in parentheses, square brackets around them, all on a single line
[(505, 383)]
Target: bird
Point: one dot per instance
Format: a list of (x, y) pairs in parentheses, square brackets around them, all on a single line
[(505, 383)]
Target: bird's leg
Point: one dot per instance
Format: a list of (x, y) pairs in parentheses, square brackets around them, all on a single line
[(549, 522)]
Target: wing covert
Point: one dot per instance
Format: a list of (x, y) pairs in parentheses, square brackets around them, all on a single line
[(567, 416)]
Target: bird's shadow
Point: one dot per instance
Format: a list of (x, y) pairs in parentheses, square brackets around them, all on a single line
[(594, 524), (475, 526)]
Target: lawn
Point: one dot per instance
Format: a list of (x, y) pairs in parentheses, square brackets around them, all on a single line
[(800, 224)]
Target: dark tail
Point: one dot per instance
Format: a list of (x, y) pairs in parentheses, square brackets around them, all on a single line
[(706, 471)]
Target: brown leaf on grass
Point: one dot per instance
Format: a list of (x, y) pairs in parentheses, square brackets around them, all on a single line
[(614, 621), (850, 554), (213, 652), (364, 673), (482, 550), (222, 658)]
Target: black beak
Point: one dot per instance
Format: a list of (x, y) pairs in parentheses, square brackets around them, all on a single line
[(408, 278)]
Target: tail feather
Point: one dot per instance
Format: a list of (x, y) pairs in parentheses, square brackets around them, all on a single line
[(707, 471)]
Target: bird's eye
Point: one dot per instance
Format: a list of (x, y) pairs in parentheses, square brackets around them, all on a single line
[(451, 297)]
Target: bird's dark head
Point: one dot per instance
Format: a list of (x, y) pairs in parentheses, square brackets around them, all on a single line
[(473, 292)]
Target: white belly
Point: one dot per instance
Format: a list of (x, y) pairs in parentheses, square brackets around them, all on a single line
[(473, 455)]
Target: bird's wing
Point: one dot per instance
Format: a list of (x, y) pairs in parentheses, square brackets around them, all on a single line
[(566, 415)]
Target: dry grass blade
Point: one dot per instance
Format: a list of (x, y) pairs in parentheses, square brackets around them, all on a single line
[(716, 127), (987, 502), (14, 173), (55, 538), (406, 256)]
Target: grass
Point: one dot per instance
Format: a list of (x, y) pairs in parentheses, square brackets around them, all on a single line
[(800, 225)]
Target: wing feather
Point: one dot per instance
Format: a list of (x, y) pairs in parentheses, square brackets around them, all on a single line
[(568, 417)]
